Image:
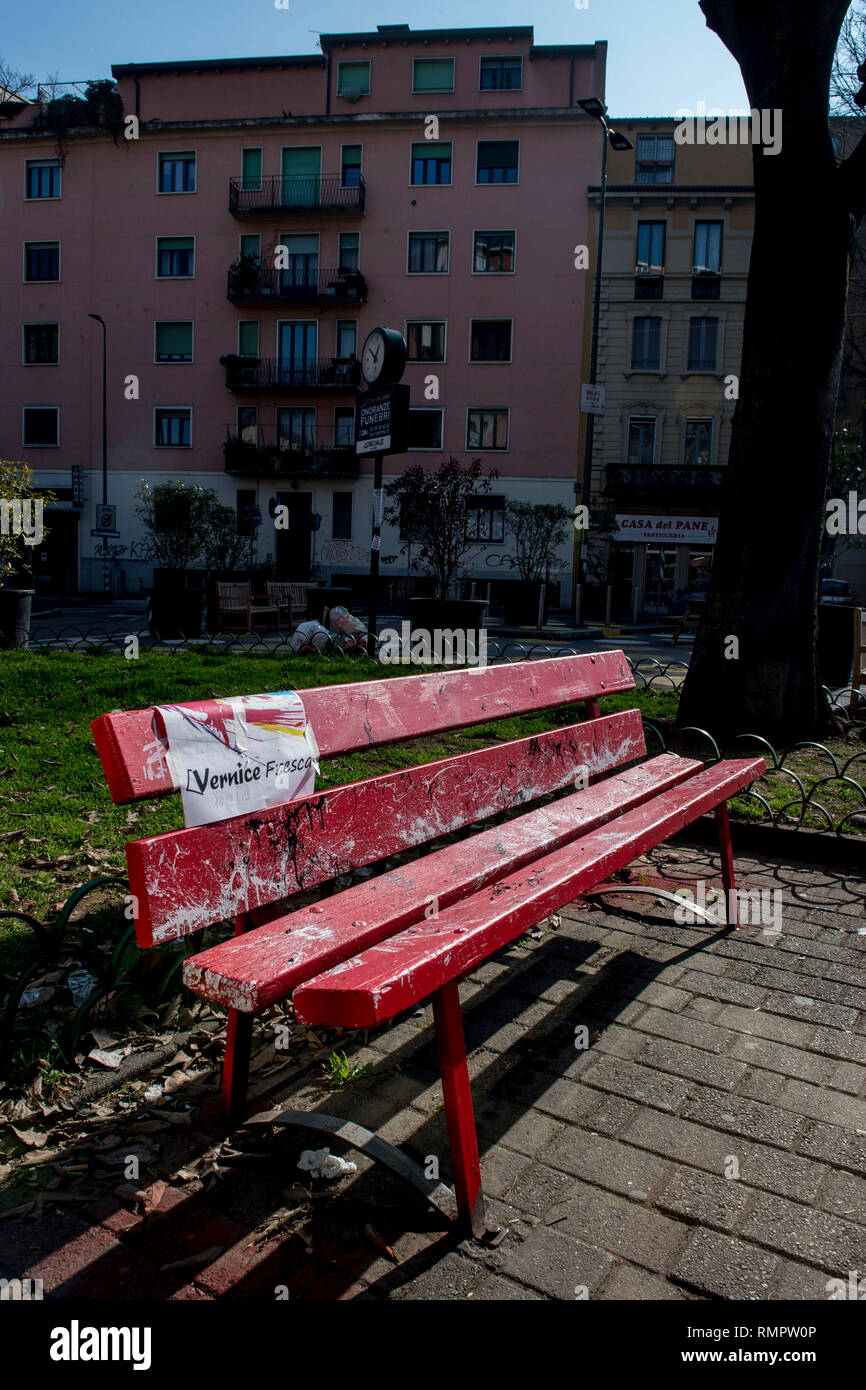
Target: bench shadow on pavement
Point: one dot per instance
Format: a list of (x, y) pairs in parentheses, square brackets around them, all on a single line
[(327, 1253)]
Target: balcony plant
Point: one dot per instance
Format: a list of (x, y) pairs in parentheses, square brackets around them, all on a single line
[(21, 529), (244, 274), (539, 529)]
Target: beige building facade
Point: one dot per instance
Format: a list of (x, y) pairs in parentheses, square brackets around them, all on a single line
[(679, 223)]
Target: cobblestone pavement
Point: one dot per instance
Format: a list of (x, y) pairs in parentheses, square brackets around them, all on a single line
[(709, 1143)]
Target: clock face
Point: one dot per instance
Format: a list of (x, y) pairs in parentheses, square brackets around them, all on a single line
[(373, 356)]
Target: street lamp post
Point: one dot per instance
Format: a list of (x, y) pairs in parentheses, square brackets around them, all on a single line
[(106, 575), (595, 107)]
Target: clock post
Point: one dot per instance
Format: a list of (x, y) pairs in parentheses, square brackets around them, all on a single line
[(381, 427)]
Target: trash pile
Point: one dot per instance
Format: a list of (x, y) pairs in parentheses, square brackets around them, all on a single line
[(344, 633)]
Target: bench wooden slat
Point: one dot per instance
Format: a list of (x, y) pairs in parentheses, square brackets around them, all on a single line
[(367, 713), (254, 971), (185, 880), (408, 967)]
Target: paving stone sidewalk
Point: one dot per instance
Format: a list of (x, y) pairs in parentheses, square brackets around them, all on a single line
[(709, 1143)]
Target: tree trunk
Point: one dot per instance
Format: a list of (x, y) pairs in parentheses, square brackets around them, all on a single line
[(764, 586)]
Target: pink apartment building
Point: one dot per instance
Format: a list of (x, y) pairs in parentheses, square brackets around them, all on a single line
[(271, 212)]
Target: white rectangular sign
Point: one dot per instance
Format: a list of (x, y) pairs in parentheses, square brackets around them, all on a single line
[(672, 530), (239, 755), (591, 399)]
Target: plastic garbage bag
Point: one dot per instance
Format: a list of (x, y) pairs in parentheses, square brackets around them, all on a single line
[(350, 631), (310, 637)]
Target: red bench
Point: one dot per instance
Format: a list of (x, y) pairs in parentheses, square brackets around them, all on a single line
[(374, 949)]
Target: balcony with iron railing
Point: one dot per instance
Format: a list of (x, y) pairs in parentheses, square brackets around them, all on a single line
[(319, 194), (664, 479), (250, 284), (706, 283), (648, 281), (258, 452), (286, 375)]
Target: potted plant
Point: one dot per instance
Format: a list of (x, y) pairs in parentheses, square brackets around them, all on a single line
[(21, 528), (538, 528), (176, 518), (244, 274), (430, 510), (228, 553)]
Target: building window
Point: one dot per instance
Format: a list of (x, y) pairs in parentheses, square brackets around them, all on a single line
[(248, 338), (248, 424), (173, 342), (433, 75), (650, 247), (425, 429), (177, 172), (344, 426), (491, 340), (646, 345), (708, 248), (251, 169), (497, 161), (641, 440), (349, 254), (431, 162), (501, 74), (42, 179), (296, 428), (351, 166), (698, 443), (341, 517), (41, 344), (425, 340), (172, 427), (703, 344), (347, 338), (41, 429), (353, 80), (493, 253), (487, 429), (175, 257), (485, 518), (41, 261), (428, 253), (654, 161)]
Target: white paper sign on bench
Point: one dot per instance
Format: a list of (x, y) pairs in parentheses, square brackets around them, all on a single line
[(234, 756)]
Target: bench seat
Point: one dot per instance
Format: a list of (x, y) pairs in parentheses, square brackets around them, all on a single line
[(263, 966), (410, 966)]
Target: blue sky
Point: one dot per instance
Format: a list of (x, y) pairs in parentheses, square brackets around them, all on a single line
[(661, 55)]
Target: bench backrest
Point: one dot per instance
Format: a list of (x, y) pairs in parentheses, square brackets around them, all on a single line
[(233, 597), (188, 879), (859, 646)]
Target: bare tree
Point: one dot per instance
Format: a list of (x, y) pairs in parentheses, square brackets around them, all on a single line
[(15, 82), (845, 81), (764, 587)]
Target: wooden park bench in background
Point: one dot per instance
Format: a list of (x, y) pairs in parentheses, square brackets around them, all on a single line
[(238, 609), (364, 954), (293, 597)]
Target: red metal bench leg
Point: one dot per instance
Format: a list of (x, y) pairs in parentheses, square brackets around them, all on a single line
[(236, 1067), (458, 1109), (727, 855)]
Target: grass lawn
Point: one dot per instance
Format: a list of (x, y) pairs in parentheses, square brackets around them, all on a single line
[(58, 826)]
